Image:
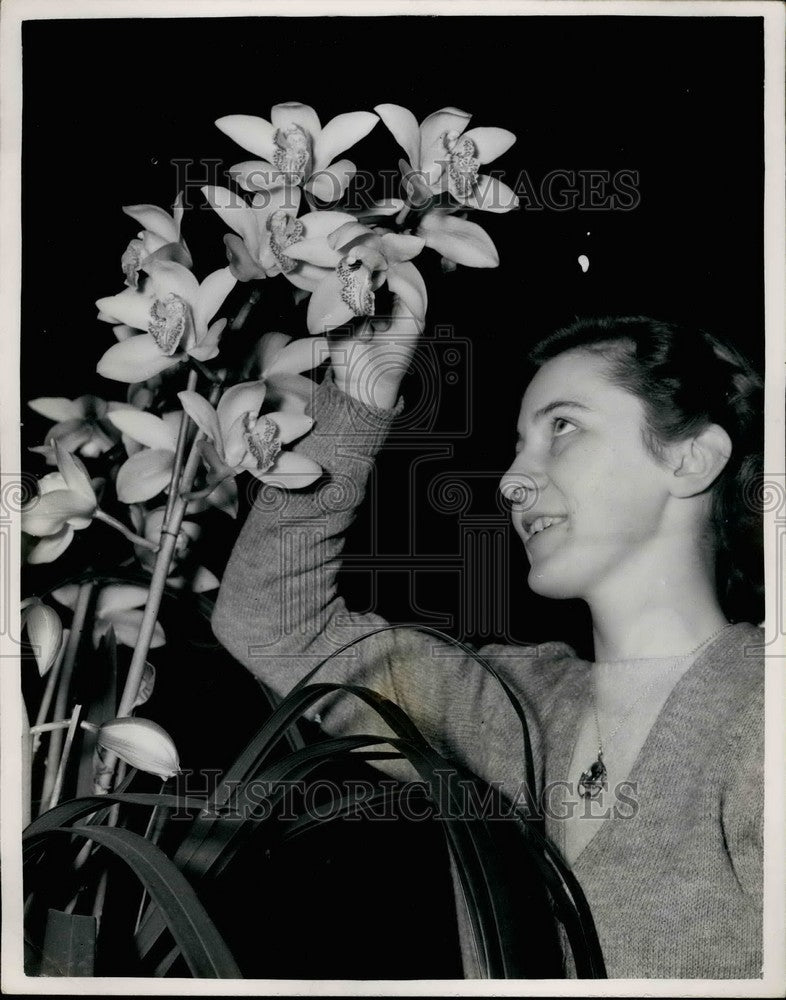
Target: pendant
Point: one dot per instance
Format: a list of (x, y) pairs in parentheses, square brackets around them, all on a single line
[(593, 780)]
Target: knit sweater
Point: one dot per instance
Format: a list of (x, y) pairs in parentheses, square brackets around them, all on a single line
[(674, 882)]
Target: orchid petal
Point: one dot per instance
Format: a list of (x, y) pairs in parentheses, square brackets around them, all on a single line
[(67, 595), (490, 142), (398, 247), (168, 277), (432, 132), (307, 276), (126, 625), (323, 223), (458, 240), (246, 397), (269, 346), (241, 263), (49, 513), (212, 293), (202, 413), (256, 175), (291, 393), (490, 195), (70, 435), (300, 356), (252, 133), (340, 133), (208, 345), (314, 251), (178, 210), (156, 220), (390, 206), (120, 597), (203, 580), (74, 473), (144, 475), (404, 128), (294, 113), (225, 497), (329, 183), (291, 426), (146, 428), (135, 360), (59, 408), (327, 310), (291, 471), (129, 307), (348, 233), (234, 211), (51, 481), (406, 282), (286, 199), (49, 548)]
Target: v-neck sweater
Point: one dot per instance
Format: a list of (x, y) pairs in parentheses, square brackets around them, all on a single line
[(674, 882)]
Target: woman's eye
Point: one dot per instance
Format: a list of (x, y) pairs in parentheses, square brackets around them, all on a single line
[(560, 425)]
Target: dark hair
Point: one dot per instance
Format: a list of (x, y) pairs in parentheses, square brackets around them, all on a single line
[(688, 379)]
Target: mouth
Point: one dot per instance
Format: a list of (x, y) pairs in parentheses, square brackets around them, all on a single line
[(540, 524)]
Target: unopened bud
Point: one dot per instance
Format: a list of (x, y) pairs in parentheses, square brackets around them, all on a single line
[(142, 744)]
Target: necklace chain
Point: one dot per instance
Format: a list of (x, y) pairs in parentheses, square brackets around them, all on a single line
[(594, 779)]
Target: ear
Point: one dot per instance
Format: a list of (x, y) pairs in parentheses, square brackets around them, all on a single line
[(697, 461)]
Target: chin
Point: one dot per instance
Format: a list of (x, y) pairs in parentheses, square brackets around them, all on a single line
[(548, 578)]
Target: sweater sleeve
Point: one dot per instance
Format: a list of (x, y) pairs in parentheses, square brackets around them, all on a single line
[(280, 614)]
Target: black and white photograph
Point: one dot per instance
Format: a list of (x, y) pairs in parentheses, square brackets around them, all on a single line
[(393, 498)]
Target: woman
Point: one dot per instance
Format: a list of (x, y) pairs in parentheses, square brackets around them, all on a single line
[(637, 445)]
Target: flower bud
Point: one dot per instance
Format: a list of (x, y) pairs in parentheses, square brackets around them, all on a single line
[(142, 744), (45, 631)]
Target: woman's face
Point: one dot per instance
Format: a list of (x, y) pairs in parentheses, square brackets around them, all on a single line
[(593, 511)]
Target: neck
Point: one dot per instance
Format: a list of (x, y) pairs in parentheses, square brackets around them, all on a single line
[(665, 612)]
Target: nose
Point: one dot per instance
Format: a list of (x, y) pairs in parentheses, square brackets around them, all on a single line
[(521, 485)]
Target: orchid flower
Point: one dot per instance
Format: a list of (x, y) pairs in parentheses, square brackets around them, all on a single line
[(267, 228), (81, 425), (175, 311), (159, 239), (243, 440), (151, 442), (67, 503), (296, 150), (447, 158), (118, 606), (367, 259), (148, 469)]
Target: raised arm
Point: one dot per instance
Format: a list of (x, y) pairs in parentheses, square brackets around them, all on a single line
[(279, 611)]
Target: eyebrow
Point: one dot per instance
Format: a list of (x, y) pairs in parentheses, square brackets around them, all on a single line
[(559, 404)]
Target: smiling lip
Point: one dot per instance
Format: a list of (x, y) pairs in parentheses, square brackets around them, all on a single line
[(540, 524)]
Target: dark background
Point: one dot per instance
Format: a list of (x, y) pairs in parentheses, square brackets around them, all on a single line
[(109, 105)]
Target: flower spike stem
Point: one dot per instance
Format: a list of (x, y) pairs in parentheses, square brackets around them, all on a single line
[(169, 534), (242, 314), (180, 447), (61, 703), (100, 515)]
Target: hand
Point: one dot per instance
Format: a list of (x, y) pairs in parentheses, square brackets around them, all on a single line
[(369, 363)]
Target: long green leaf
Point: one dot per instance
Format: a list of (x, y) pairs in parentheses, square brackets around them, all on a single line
[(473, 654), (200, 943), (69, 945)]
